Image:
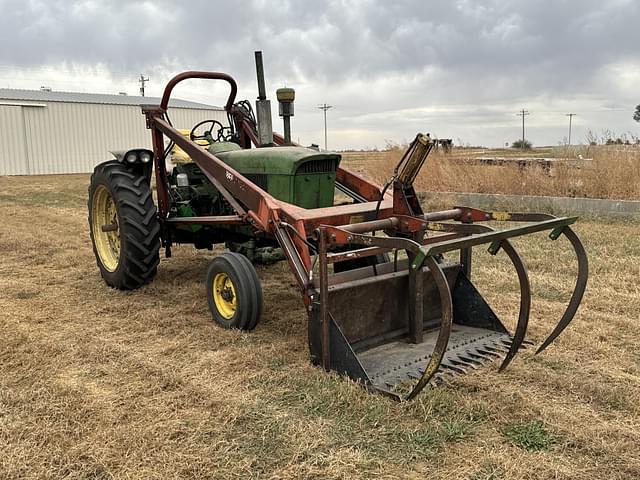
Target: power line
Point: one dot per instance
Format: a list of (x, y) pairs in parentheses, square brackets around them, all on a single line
[(570, 115), (142, 82), (324, 107), (523, 113)]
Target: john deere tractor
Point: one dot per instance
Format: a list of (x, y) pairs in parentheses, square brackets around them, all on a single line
[(384, 304), (128, 231)]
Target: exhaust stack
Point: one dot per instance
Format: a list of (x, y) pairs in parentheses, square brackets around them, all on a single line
[(263, 107)]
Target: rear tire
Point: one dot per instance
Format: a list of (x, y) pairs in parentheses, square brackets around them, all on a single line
[(121, 203), (234, 292)]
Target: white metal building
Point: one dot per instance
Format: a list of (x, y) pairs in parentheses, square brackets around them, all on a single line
[(44, 132)]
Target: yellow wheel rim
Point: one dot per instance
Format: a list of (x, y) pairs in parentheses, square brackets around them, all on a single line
[(224, 295), (105, 228)]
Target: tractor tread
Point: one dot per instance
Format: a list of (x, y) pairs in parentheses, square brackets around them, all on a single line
[(138, 222)]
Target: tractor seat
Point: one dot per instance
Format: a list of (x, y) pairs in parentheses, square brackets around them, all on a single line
[(180, 157)]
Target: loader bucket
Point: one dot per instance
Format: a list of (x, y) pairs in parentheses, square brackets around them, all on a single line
[(398, 326), (372, 342)]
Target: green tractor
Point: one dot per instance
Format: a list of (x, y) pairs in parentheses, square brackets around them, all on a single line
[(127, 230), (384, 304)]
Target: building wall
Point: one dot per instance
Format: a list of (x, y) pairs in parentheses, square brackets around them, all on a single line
[(13, 152), (57, 137)]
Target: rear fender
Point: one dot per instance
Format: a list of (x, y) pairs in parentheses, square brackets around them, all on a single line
[(137, 166)]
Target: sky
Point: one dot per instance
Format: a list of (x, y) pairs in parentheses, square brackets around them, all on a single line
[(458, 69)]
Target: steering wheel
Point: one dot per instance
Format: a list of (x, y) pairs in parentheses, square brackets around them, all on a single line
[(207, 135)]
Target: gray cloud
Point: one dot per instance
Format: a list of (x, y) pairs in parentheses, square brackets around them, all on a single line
[(385, 65)]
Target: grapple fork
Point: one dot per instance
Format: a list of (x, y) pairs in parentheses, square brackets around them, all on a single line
[(403, 324)]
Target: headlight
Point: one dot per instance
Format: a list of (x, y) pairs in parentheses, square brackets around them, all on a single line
[(132, 157), (145, 157)]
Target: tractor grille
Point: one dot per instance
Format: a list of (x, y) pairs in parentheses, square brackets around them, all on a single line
[(260, 179), (318, 166)]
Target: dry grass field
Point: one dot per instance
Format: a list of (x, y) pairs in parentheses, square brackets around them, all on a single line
[(97, 383), (609, 171)]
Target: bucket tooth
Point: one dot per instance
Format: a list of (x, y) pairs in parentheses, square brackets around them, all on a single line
[(488, 351), (462, 363), (499, 347), (482, 358), (497, 350), (449, 365), (469, 359)]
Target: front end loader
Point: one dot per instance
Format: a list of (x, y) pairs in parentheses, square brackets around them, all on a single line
[(385, 306)]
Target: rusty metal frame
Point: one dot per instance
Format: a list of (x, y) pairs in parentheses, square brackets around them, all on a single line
[(251, 203), (394, 213)]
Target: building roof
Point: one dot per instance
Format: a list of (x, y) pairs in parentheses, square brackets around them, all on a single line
[(10, 94)]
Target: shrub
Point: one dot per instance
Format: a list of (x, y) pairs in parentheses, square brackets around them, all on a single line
[(522, 144)]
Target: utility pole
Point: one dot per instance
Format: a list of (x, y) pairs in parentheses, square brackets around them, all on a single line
[(325, 107), (523, 113), (570, 115), (142, 82)]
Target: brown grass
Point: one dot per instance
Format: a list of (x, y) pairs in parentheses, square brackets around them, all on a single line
[(97, 383), (612, 172)]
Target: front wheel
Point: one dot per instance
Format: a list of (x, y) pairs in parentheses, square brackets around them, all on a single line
[(234, 292), (124, 227)]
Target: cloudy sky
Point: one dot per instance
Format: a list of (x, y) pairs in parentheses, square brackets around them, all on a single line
[(459, 69)]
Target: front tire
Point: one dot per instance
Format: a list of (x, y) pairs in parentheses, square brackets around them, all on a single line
[(234, 292), (124, 226)]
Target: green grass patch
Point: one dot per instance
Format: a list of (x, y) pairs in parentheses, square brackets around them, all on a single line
[(373, 426), (454, 430), (531, 436)]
